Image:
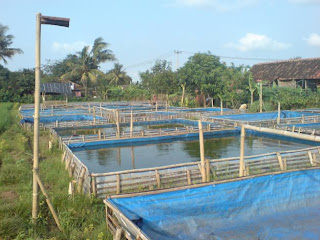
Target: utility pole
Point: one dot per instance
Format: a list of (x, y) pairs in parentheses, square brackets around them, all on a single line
[(177, 61), (64, 22)]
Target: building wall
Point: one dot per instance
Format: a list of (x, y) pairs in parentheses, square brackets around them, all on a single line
[(287, 83)]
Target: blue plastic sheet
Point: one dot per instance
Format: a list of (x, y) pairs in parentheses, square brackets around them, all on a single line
[(265, 116), (283, 206), (61, 118)]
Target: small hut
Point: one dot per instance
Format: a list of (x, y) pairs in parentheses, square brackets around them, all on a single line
[(291, 73)]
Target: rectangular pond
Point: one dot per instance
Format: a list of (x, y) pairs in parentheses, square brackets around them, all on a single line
[(136, 156)]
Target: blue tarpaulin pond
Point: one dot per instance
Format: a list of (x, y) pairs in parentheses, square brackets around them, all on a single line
[(281, 206), (265, 116)]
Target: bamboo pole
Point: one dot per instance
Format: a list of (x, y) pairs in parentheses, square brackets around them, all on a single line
[(260, 97), (242, 142), (131, 124), (117, 123), (203, 170), (52, 210), (221, 106), (285, 133), (35, 191), (279, 113)]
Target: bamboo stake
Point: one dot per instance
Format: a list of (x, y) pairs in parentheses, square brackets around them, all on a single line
[(158, 179), (280, 161), (203, 170), (156, 106), (35, 168), (212, 102), (118, 184), (260, 97), (131, 124), (93, 185), (208, 170), (52, 210), (99, 133), (242, 142), (189, 177), (221, 106), (118, 124), (81, 179), (279, 113)]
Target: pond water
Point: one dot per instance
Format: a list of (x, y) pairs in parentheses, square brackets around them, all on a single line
[(161, 154)]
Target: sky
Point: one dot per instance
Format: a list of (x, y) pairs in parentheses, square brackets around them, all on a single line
[(140, 32)]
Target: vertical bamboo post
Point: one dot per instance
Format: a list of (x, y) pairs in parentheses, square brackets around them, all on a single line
[(131, 124), (221, 106), (158, 179), (118, 184), (260, 97), (94, 115), (279, 113), (212, 102), (166, 105), (118, 124), (156, 106), (35, 192), (203, 170), (99, 133), (101, 110), (242, 142)]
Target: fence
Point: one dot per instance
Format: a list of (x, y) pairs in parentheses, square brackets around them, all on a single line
[(137, 180)]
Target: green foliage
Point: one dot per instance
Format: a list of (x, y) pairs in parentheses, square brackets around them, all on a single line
[(160, 79), (5, 118), (5, 41), (81, 217)]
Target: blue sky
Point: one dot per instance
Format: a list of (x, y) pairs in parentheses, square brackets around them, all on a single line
[(141, 31)]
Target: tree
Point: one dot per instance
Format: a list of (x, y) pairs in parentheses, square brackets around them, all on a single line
[(5, 42), (118, 76), (160, 79), (201, 72), (87, 68)]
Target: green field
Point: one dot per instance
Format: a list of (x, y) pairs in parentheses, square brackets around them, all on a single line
[(81, 217)]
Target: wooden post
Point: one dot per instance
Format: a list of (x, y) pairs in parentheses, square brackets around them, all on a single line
[(279, 113), (93, 185), (212, 102), (158, 179), (242, 142), (208, 170), (52, 210), (221, 106), (35, 168), (260, 97), (280, 161), (189, 177), (99, 133), (131, 124), (118, 184), (94, 115), (118, 124), (166, 105), (203, 167), (156, 106), (50, 145)]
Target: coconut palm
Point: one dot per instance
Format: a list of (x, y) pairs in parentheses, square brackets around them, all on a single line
[(87, 68), (118, 76), (5, 42)]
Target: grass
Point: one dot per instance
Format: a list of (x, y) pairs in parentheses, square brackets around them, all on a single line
[(81, 217)]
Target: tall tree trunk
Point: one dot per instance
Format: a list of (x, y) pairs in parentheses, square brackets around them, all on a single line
[(251, 94), (183, 93)]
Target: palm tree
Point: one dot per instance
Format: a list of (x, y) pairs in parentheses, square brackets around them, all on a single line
[(118, 76), (5, 42), (87, 69)]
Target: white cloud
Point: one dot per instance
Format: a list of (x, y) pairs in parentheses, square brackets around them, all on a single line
[(305, 1), (68, 47), (219, 5), (252, 41), (313, 39)]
